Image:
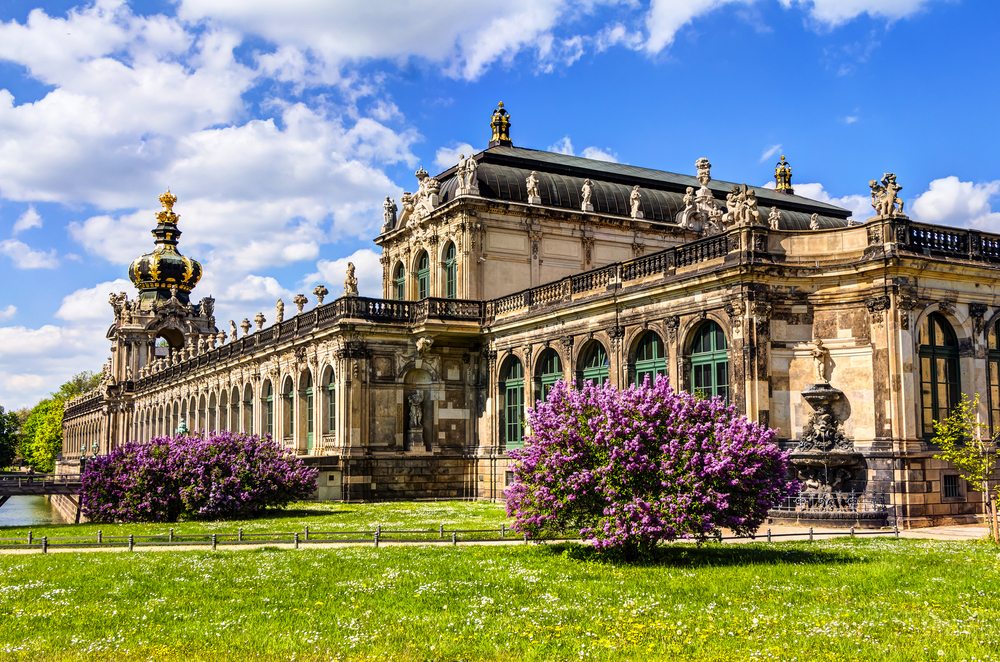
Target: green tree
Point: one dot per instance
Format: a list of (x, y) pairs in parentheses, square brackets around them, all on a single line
[(9, 426), (41, 435), (78, 384), (966, 443)]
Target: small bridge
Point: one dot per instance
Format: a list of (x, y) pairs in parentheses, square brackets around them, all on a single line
[(37, 484)]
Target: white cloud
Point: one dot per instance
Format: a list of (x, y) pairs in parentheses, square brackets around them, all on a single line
[(368, 271), (832, 13), (599, 154), (666, 17), (446, 157), (769, 152), (91, 303), (25, 258), (613, 35), (951, 201), (562, 146), (860, 205), (29, 219), (8, 313), (850, 119)]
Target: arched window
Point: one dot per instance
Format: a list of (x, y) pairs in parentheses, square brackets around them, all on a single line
[(248, 408), (594, 364), (450, 271), (650, 358), (224, 410), (423, 276), (310, 414), (512, 388), (549, 372), (993, 365), (288, 408), (268, 396), (939, 380), (400, 282), (331, 401), (710, 362), (213, 421), (234, 410)]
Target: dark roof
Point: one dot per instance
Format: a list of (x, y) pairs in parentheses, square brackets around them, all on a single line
[(503, 170)]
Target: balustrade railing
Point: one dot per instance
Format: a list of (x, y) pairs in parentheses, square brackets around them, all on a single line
[(834, 502), (939, 239)]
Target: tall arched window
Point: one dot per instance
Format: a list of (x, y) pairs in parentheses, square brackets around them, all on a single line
[(594, 364), (650, 358), (512, 388), (310, 414), (710, 362), (400, 282), (267, 393), (993, 365), (549, 372), (330, 390), (939, 376), (248, 408), (224, 410), (423, 276), (450, 271), (288, 402), (234, 410)]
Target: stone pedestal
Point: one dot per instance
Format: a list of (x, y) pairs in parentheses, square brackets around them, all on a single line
[(587, 207), (534, 200), (416, 438), (638, 214)]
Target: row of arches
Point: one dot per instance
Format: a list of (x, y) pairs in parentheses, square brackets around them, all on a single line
[(709, 371), (297, 410), (419, 285), (83, 436)]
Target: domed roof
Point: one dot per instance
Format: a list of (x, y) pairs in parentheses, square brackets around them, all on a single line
[(165, 267)]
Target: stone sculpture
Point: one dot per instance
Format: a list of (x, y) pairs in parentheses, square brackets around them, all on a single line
[(585, 194), (320, 293), (233, 335), (703, 216), (300, 302), (245, 325), (221, 338), (279, 312), (635, 200), (774, 218), (350, 284), (820, 354), (884, 198), (424, 345), (259, 321), (404, 216), (471, 183), (531, 183), (814, 222), (823, 433), (388, 215), (416, 410), (425, 199)]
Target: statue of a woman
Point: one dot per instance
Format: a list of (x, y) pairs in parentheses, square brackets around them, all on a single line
[(416, 410)]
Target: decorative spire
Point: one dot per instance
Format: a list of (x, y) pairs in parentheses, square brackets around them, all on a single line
[(783, 177), (167, 215), (500, 124)]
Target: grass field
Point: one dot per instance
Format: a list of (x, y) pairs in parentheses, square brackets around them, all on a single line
[(841, 599)]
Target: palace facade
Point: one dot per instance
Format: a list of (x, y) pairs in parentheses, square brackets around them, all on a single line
[(517, 268)]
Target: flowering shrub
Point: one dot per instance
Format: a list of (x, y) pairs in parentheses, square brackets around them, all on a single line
[(227, 474), (631, 468)]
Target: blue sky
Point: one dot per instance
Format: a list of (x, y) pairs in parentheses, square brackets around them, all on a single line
[(282, 126)]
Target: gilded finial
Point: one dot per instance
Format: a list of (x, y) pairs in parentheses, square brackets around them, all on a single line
[(167, 215), (783, 177), (500, 126)]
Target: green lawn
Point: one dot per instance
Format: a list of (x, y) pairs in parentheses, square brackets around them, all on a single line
[(841, 599)]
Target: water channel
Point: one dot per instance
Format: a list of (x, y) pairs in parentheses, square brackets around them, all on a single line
[(28, 511)]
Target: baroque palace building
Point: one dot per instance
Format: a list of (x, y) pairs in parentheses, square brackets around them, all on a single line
[(517, 268)]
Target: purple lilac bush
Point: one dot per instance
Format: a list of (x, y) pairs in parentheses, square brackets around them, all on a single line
[(630, 468), (224, 475)]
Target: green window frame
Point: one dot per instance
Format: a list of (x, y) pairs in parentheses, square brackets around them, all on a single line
[(289, 412), (710, 362), (400, 283), (450, 272), (550, 371), (269, 413), (513, 388), (993, 370), (594, 364), (310, 414), (423, 276), (331, 406), (650, 358), (940, 374)]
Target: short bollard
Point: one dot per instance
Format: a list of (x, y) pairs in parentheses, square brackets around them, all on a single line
[(376, 538), (454, 538), (29, 537), (215, 542), (45, 544), (131, 542), (296, 541), (769, 535), (525, 538), (307, 533), (810, 534), (440, 533), (100, 536), (503, 530), (895, 528), (170, 536), (239, 535), (718, 535), (852, 531), (378, 530)]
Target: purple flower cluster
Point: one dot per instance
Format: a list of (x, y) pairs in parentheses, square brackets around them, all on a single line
[(224, 475), (630, 468)]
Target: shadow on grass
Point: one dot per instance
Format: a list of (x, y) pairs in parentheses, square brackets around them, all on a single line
[(682, 556), (286, 513)]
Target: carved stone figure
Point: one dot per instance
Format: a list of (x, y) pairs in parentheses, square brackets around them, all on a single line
[(531, 183), (732, 204), (118, 302), (245, 325), (259, 321), (471, 180), (424, 345), (823, 433), (279, 312), (820, 354), (404, 216), (233, 335), (388, 215), (814, 222), (320, 292), (752, 213), (774, 218), (300, 302), (688, 217), (416, 410), (635, 200), (884, 199), (585, 194), (350, 283)]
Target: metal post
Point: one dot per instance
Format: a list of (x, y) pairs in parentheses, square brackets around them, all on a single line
[(376, 538), (378, 530), (307, 533), (100, 536), (45, 544), (441, 531), (454, 538), (810, 534), (29, 534), (131, 542), (170, 536), (769, 535), (852, 531), (239, 535), (296, 541), (503, 530), (895, 528), (215, 542), (525, 538)]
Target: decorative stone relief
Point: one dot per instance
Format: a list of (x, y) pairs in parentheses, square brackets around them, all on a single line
[(947, 307), (616, 333), (874, 235), (976, 312), (259, 321), (635, 202), (814, 222), (876, 307), (672, 323), (884, 198), (300, 302), (320, 293)]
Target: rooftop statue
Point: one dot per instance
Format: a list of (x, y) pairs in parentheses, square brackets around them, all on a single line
[(388, 215), (814, 222), (279, 312), (471, 182), (774, 218), (635, 200), (320, 292), (783, 176), (351, 283), (585, 194), (500, 126), (531, 184), (884, 198)]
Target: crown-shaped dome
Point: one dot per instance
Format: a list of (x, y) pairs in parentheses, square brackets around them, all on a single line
[(155, 273)]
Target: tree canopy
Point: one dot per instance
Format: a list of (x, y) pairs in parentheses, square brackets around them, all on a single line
[(8, 437)]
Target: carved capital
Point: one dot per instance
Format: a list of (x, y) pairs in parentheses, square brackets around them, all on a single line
[(876, 306), (672, 323)]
